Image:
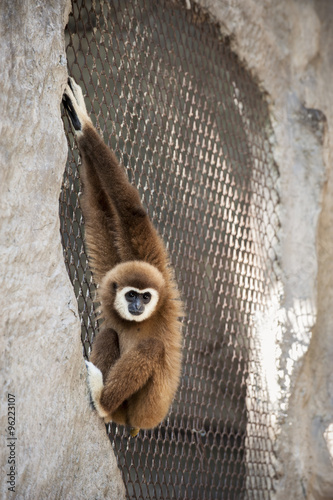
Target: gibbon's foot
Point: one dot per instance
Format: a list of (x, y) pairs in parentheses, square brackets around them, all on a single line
[(95, 384), (134, 431), (74, 104)]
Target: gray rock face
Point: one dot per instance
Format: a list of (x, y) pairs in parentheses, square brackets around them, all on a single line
[(61, 449)]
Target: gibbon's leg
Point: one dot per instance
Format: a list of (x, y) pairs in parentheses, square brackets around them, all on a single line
[(105, 350), (128, 374), (137, 238)]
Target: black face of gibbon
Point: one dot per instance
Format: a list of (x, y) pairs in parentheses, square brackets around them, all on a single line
[(136, 301)]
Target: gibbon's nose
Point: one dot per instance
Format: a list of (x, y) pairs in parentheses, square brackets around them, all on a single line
[(137, 306)]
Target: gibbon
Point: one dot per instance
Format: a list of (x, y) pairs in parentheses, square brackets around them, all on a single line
[(135, 363)]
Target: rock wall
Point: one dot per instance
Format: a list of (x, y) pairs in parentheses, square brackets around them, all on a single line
[(57, 447), (287, 47)]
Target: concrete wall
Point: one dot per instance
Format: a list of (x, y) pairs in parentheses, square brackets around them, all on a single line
[(287, 45), (61, 450)]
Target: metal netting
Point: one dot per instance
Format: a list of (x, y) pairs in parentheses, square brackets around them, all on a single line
[(190, 125)]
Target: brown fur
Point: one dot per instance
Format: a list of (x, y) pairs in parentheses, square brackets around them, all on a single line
[(140, 361)]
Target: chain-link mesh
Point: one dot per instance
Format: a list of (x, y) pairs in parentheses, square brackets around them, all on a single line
[(188, 122)]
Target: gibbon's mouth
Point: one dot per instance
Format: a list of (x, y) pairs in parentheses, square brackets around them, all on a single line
[(136, 313)]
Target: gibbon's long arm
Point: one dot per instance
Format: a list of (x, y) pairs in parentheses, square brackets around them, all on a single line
[(129, 374), (139, 240)]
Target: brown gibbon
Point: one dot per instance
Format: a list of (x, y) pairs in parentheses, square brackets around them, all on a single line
[(135, 363)]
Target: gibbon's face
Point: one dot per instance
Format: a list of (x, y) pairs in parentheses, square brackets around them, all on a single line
[(133, 289), (135, 304)]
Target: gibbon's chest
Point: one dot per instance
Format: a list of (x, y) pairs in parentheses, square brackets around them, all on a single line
[(130, 334), (130, 338)]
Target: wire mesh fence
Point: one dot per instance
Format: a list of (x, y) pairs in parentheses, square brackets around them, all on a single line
[(191, 127)]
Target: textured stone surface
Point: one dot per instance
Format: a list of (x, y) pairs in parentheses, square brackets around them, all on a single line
[(61, 450)]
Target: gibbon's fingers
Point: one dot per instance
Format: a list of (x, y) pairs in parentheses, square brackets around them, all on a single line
[(95, 384), (71, 113), (74, 104), (78, 94)]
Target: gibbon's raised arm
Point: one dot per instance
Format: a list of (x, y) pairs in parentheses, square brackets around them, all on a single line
[(107, 188)]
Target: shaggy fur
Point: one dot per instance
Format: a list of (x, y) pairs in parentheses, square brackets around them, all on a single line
[(134, 367)]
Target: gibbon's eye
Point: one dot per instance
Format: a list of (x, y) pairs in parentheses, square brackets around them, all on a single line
[(131, 295), (115, 286), (146, 297)]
